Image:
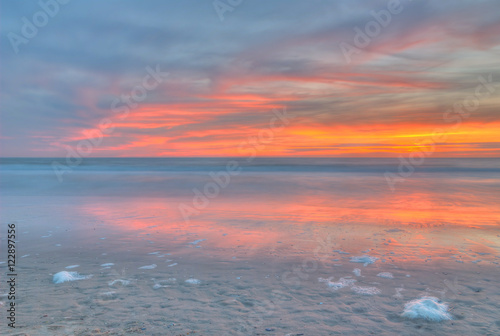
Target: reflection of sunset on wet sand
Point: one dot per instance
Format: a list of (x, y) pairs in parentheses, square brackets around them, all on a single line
[(321, 234)]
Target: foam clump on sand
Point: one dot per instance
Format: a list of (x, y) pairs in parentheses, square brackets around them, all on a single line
[(193, 281), (72, 266), (164, 283), (68, 276), (119, 281), (107, 265), (340, 252), (148, 266), (196, 242), (427, 308), (365, 260), (357, 272), (365, 290), (335, 285), (386, 275)]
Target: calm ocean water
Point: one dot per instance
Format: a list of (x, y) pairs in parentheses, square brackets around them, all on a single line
[(152, 176)]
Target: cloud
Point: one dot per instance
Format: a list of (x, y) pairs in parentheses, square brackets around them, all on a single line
[(225, 77)]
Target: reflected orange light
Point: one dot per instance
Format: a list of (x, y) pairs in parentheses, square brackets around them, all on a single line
[(425, 227)]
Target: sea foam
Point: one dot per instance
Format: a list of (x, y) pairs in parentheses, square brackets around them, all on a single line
[(148, 266), (365, 260), (365, 290), (335, 285), (193, 281), (196, 242), (427, 308), (386, 275), (119, 281), (72, 266), (68, 276)]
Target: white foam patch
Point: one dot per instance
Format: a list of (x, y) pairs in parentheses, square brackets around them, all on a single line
[(107, 265), (340, 252), (162, 283), (427, 308), (336, 285), (171, 265), (365, 290), (193, 281), (356, 271), (119, 281), (72, 266), (26, 255), (196, 241), (68, 276), (365, 260), (148, 266), (108, 295), (386, 275)]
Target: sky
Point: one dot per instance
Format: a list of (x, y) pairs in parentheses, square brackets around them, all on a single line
[(321, 78)]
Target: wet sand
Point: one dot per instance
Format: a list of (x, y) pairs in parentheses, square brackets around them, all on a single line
[(273, 287)]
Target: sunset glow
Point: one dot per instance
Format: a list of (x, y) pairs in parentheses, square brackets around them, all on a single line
[(432, 67)]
